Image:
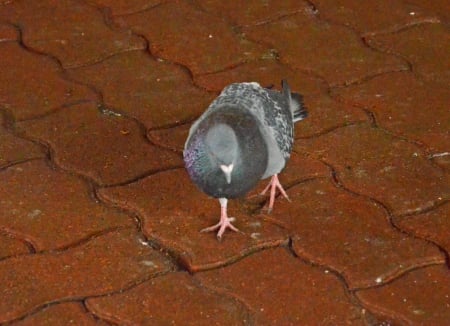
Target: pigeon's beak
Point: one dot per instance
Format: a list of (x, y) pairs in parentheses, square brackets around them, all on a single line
[(227, 169)]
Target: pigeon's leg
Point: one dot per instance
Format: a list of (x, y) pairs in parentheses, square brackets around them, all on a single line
[(225, 221), (273, 185)]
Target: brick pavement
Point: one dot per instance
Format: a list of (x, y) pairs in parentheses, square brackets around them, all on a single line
[(99, 221)]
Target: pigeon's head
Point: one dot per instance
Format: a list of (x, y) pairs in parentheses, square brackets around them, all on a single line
[(226, 155)]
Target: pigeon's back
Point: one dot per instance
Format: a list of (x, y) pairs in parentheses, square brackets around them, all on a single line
[(275, 111)]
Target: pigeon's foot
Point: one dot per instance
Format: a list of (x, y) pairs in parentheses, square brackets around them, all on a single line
[(224, 223), (273, 185)]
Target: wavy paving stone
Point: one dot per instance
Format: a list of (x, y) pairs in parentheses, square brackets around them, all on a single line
[(369, 161), (173, 211), (332, 227), (33, 85), (374, 16), (442, 159), (324, 112), (405, 105), (72, 31), (171, 299), (156, 93), (8, 33), (51, 209), (334, 52), (421, 297), (10, 246), (433, 225), (197, 40), (253, 12), (305, 295), (108, 148), (70, 313), (440, 8), (103, 265), (14, 149), (425, 46), (125, 7)]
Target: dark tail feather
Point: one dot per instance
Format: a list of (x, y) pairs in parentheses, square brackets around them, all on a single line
[(296, 102)]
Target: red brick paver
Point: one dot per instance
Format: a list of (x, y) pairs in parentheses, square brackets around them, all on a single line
[(99, 222)]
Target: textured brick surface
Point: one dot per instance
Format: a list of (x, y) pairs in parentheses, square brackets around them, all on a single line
[(393, 107), (106, 147), (361, 243), (418, 298), (51, 209), (11, 246), (162, 301), (331, 51), (33, 85), (79, 272), (370, 161), (162, 93), (61, 314), (433, 225), (376, 16), (177, 225), (72, 31), (303, 290), (203, 43), (425, 47), (14, 149), (99, 221)]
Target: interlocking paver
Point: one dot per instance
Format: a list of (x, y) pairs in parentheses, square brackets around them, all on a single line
[(332, 51), (61, 314), (50, 208), (376, 16), (8, 33), (370, 161), (33, 85), (305, 295), (350, 234), (14, 149), (440, 8), (421, 297), (175, 221), (433, 225), (103, 265), (106, 147), (425, 46), (156, 93), (99, 222), (442, 159), (172, 299), (324, 112), (72, 31), (201, 42), (401, 104), (261, 11), (124, 7), (11, 246)]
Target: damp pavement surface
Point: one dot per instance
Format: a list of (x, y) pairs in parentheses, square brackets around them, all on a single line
[(99, 222)]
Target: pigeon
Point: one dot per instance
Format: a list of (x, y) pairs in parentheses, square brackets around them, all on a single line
[(245, 135)]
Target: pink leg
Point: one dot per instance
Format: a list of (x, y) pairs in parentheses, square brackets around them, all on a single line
[(224, 223), (273, 185)]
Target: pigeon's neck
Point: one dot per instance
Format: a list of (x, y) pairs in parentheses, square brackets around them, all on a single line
[(222, 142)]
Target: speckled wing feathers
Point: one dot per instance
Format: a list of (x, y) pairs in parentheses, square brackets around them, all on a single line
[(270, 107)]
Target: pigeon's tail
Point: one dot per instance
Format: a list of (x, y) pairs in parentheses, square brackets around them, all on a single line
[(295, 102)]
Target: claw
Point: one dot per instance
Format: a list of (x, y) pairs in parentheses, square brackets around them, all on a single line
[(273, 185), (224, 223)]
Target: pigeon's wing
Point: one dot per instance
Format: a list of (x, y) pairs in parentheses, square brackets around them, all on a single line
[(295, 100), (272, 110)]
